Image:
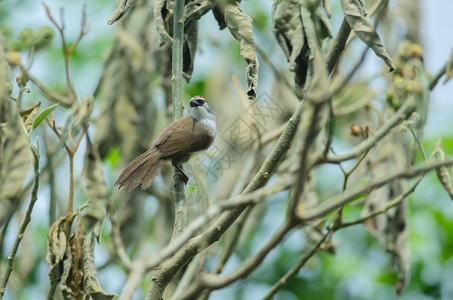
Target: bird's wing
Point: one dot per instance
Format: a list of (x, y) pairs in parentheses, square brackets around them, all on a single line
[(184, 136)]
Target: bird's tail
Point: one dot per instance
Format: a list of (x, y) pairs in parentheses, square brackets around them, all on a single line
[(141, 170)]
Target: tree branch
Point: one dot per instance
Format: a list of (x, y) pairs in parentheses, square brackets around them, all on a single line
[(23, 225), (353, 193), (215, 281), (295, 270), (405, 110)]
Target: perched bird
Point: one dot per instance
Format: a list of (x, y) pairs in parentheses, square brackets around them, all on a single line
[(178, 142)]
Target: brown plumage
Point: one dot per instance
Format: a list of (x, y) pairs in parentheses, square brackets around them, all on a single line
[(177, 143)]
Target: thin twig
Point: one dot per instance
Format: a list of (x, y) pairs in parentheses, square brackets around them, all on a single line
[(433, 82), (402, 113), (23, 225), (68, 50), (328, 205), (71, 152), (48, 93), (117, 242), (295, 270), (392, 203), (354, 167), (215, 281)]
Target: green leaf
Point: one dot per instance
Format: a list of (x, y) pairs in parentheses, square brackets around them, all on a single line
[(43, 114)]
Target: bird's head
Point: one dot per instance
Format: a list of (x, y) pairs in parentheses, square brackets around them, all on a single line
[(200, 107), (201, 111)]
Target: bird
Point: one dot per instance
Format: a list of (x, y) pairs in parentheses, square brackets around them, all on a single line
[(180, 141)]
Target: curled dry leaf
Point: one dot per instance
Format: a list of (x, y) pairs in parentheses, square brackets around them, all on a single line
[(15, 158), (29, 114), (443, 173), (74, 280), (58, 258), (163, 14), (122, 9), (289, 29), (240, 26), (84, 111), (444, 176), (359, 21), (196, 9), (71, 262), (79, 114), (420, 89), (159, 9), (91, 286), (97, 190), (390, 228)]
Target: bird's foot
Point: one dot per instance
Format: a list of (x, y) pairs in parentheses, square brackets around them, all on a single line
[(181, 175)]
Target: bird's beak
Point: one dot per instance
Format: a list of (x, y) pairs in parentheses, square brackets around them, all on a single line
[(195, 102)]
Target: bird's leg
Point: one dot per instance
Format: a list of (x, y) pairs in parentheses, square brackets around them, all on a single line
[(181, 174)]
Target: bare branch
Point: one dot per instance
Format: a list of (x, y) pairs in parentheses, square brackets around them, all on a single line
[(295, 270), (23, 225), (352, 193)]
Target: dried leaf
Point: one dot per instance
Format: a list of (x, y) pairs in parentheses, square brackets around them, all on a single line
[(79, 114), (326, 6), (240, 26), (159, 11), (196, 9), (190, 48), (74, 280), (97, 190), (164, 21), (444, 176), (122, 9), (359, 21), (15, 160), (420, 88), (91, 286), (390, 228), (84, 111), (58, 258), (449, 69), (289, 29), (128, 110), (29, 114), (443, 173)]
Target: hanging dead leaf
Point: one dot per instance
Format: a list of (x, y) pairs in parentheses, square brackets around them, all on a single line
[(390, 228), (97, 190), (444, 174), (359, 21), (163, 14), (84, 111), (289, 29), (74, 280), (240, 26), (15, 159), (59, 259), (91, 286)]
